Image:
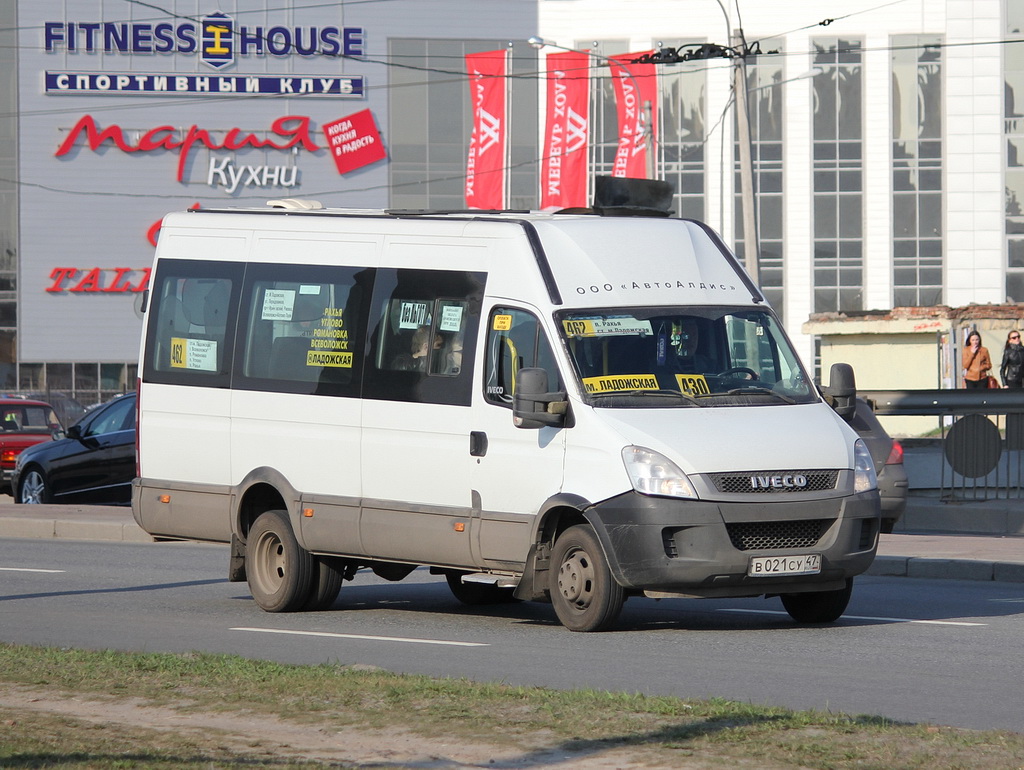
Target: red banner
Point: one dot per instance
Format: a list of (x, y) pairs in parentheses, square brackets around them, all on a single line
[(566, 132), (485, 166), (635, 89)]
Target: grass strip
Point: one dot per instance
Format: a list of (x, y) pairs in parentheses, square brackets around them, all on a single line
[(665, 731)]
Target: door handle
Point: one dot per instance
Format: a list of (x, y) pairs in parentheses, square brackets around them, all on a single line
[(477, 443)]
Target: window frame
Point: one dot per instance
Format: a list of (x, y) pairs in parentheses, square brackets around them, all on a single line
[(186, 269), (540, 337), (359, 280), (434, 287)]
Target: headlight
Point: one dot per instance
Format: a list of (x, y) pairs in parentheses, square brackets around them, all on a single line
[(652, 473), (864, 478)]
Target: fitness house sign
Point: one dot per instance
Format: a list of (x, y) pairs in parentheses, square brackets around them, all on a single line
[(218, 40)]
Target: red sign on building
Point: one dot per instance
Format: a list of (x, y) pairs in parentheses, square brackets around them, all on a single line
[(354, 141)]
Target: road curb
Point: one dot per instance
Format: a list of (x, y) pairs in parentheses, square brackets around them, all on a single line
[(73, 523), (946, 569)]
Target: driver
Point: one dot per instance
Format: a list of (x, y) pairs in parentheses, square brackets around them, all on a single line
[(683, 353)]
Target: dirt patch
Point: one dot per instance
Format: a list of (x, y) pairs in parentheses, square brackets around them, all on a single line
[(270, 738)]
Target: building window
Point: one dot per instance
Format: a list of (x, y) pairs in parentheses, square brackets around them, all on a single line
[(765, 108), (430, 123), (9, 199), (683, 131), (838, 176), (917, 155), (1013, 61), (69, 387)]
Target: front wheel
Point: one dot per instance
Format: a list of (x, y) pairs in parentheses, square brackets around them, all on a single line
[(279, 572), (583, 591), (818, 606), (33, 490)]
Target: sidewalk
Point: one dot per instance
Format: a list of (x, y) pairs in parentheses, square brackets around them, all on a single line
[(942, 554)]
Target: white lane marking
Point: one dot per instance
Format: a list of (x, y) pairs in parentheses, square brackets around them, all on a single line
[(868, 617), (363, 637), (27, 569)]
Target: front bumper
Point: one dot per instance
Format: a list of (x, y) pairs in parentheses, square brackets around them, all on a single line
[(699, 548)]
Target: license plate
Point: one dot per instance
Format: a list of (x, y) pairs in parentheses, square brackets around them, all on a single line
[(766, 566)]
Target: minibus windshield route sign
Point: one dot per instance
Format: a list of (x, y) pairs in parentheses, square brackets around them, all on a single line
[(694, 384), (598, 327), (620, 382)]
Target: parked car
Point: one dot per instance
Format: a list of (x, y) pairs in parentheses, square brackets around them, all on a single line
[(23, 423), (94, 463), (68, 409), (887, 454)]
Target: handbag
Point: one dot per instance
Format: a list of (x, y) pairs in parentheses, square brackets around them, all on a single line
[(993, 382)]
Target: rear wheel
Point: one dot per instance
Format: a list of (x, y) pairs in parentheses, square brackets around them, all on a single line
[(327, 577), (477, 593), (33, 488), (584, 593), (280, 573), (818, 606)]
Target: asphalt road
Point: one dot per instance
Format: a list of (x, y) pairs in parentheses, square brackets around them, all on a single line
[(937, 651)]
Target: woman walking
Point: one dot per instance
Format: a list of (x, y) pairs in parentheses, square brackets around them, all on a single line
[(1011, 371), (977, 362)]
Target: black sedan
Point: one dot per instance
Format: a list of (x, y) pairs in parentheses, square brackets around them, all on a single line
[(94, 463)]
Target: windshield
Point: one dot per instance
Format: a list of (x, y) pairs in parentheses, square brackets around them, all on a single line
[(643, 357)]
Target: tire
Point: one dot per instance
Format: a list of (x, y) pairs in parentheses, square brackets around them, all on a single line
[(818, 606), (583, 591), (327, 577), (279, 572), (887, 525), (33, 489), (475, 594)]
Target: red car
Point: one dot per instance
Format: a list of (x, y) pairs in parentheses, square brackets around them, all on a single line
[(23, 423)]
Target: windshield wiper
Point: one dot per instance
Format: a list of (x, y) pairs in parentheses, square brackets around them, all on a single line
[(678, 394), (751, 391)]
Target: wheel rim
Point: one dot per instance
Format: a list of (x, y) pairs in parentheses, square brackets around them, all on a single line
[(32, 488), (576, 578), (270, 564)]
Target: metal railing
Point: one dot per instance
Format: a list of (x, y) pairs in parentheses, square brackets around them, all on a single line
[(981, 437)]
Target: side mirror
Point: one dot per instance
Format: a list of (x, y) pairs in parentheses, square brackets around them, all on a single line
[(841, 393), (533, 406), (75, 431)]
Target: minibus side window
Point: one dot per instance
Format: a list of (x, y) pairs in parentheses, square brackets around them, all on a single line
[(421, 349), (515, 341), (191, 323), (303, 327)]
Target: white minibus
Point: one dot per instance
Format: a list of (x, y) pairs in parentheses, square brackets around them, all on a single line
[(573, 407)]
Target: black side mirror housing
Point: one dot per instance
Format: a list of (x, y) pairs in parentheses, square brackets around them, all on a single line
[(533, 406), (841, 393)]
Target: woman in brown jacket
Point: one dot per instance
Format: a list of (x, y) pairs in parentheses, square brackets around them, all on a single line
[(976, 362)]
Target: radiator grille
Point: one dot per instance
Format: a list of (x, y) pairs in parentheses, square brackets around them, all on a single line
[(776, 535), (769, 482)]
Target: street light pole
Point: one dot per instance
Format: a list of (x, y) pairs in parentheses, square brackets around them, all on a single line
[(645, 114), (751, 244)]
